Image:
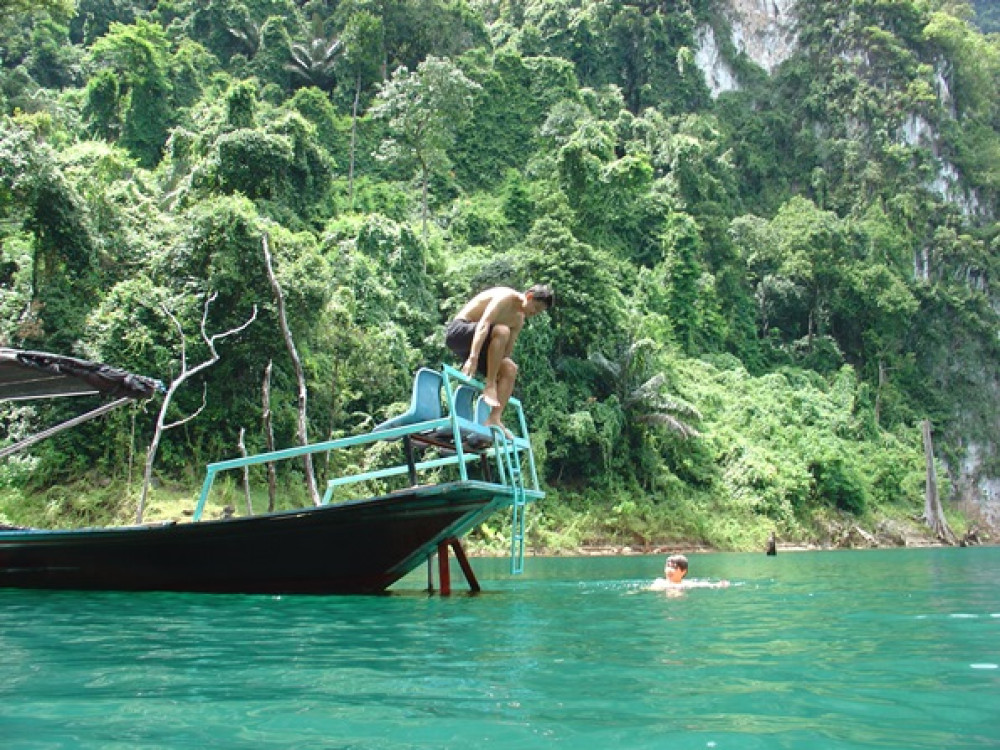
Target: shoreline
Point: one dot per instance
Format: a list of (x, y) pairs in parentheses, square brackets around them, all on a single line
[(840, 534), (613, 550)]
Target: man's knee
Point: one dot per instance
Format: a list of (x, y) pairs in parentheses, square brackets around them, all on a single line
[(500, 332), (508, 369)]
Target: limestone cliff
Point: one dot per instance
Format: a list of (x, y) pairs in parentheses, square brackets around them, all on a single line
[(763, 30)]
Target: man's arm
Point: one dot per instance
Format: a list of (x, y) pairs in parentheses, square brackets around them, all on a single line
[(514, 333), (493, 310), (706, 584)]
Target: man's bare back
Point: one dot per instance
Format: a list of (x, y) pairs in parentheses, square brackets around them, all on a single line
[(498, 305)]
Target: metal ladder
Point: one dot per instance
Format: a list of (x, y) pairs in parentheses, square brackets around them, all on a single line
[(517, 509)]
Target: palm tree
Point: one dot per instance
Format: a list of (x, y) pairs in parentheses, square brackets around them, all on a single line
[(640, 388), (315, 61), (247, 34)]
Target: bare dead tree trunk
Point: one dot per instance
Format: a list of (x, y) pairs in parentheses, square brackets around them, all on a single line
[(878, 391), (303, 430), (332, 417), (933, 513), (272, 473), (246, 472), (354, 132), (185, 374), (131, 451)]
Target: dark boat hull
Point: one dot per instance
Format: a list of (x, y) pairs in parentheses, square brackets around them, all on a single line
[(355, 547)]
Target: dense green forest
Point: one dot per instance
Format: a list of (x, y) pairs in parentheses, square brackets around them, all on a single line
[(987, 16), (761, 292)]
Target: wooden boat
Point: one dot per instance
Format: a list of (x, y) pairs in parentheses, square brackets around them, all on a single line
[(355, 546)]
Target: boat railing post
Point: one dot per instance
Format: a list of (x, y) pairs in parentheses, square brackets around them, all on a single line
[(206, 487), (411, 462), (531, 452), (449, 395)]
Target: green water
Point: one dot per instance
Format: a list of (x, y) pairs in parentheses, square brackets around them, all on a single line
[(880, 649)]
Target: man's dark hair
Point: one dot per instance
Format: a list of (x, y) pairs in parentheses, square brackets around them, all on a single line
[(543, 293), (678, 561)]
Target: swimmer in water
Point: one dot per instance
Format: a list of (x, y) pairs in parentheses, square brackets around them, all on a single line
[(674, 571)]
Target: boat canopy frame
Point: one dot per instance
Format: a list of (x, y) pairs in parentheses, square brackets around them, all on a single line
[(29, 375)]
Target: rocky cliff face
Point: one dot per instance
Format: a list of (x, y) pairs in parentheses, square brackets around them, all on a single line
[(916, 131), (974, 486), (763, 30)]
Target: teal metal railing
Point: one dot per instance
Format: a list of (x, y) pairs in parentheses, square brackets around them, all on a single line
[(504, 453), (508, 454)]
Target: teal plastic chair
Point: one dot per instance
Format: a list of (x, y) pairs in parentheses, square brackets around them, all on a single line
[(472, 411), (474, 435), (465, 399), (425, 403)]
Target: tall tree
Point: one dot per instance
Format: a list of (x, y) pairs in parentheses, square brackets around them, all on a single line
[(589, 308), (364, 52), (682, 244), (35, 194), (933, 513), (140, 55), (422, 109), (302, 431), (810, 253), (10, 8)]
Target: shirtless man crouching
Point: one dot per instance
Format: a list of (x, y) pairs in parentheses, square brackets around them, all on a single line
[(483, 333)]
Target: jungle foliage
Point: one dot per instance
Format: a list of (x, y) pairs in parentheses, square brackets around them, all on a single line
[(759, 295)]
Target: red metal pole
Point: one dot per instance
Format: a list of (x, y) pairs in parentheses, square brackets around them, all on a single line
[(444, 573)]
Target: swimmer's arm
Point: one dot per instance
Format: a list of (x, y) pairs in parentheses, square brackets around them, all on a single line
[(706, 584)]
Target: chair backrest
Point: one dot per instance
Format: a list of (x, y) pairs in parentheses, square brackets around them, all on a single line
[(482, 411), (465, 398), (470, 407), (426, 403)]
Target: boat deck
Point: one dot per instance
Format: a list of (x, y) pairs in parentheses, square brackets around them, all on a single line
[(350, 546)]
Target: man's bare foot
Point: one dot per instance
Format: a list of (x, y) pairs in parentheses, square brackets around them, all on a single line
[(499, 425), (490, 395)]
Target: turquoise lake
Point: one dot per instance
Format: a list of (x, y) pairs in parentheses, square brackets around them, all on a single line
[(845, 649)]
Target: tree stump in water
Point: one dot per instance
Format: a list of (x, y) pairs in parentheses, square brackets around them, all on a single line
[(933, 513), (772, 545)]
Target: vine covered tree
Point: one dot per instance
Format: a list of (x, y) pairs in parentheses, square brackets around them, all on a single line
[(139, 55)]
